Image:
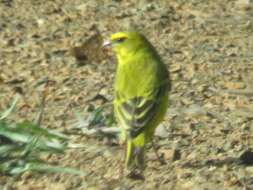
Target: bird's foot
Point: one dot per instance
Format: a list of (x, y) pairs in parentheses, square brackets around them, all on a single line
[(160, 158), (136, 175)]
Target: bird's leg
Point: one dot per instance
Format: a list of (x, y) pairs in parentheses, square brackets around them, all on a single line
[(159, 158), (122, 160)]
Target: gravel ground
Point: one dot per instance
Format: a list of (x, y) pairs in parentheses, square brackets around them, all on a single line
[(207, 46)]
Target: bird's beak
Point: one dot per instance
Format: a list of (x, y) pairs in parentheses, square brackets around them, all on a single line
[(106, 43)]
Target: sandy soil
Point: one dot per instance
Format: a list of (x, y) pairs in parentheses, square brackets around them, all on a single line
[(207, 46)]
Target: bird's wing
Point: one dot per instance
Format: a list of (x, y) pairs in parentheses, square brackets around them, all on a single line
[(137, 112)]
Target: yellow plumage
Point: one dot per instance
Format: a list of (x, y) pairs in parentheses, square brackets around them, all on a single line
[(141, 93)]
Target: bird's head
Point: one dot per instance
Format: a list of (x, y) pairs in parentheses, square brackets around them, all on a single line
[(126, 43)]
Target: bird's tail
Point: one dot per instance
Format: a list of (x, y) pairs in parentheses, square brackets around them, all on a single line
[(135, 153)]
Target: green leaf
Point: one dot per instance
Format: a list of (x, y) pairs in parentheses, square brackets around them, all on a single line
[(96, 116), (9, 110), (21, 145), (6, 149), (15, 136), (46, 168), (25, 132), (35, 129)]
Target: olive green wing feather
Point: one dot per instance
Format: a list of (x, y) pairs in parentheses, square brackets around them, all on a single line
[(135, 113)]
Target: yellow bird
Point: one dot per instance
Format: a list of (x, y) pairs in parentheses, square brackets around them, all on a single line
[(141, 93)]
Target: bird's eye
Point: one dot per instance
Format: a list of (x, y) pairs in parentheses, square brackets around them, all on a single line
[(119, 40)]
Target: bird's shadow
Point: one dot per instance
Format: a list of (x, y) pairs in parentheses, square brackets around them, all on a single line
[(216, 162)]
